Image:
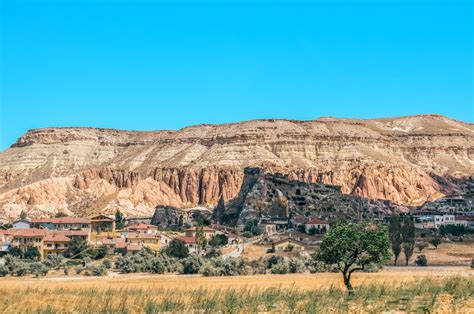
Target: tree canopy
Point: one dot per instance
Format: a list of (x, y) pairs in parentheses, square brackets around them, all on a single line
[(352, 247)]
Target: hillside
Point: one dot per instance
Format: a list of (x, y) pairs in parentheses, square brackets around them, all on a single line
[(406, 160)]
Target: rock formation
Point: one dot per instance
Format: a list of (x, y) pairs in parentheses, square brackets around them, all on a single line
[(81, 171)]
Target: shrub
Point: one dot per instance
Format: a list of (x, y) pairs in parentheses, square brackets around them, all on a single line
[(257, 267), (421, 246), (10, 263), (53, 261), (296, 265), (191, 265), (212, 253), (421, 260), (38, 269), (247, 234), (209, 269), (177, 248), (3, 270), (274, 260), (66, 271), (233, 267), (107, 263), (315, 266), (472, 263), (98, 270), (21, 269), (157, 266), (32, 253), (435, 241), (218, 240), (281, 267), (101, 251)]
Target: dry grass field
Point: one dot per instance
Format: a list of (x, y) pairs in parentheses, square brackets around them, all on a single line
[(448, 288)]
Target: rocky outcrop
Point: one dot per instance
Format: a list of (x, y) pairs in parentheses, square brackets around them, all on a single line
[(406, 160)]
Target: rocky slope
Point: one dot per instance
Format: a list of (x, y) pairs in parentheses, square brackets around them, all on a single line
[(407, 160)]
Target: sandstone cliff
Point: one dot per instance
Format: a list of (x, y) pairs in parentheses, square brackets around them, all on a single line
[(407, 160)]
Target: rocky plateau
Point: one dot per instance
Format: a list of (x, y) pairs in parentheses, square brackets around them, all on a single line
[(83, 171)]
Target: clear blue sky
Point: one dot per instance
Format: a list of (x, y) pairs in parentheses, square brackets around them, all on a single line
[(167, 64)]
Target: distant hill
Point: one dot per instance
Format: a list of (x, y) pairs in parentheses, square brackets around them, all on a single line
[(81, 171)]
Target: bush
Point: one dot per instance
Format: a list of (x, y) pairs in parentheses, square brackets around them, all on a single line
[(21, 269), (472, 263), (421, 260), (296, 266), (66, 271), (4, 270), (218, 240), (32, 253), (212, 253), (157, 266), (454, 230), (274, 260), (247, 234), (53, 261), (191, 265), (421, 246), (315, 266), (281, 267), (107, 263), (177, 248), (257, 267), (98, 270), (209, 269), (435, 241), (38, 269), (101, 251)]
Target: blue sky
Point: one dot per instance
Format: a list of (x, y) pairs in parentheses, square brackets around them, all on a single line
[(167, 64)]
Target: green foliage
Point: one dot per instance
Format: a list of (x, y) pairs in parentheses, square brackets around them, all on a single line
[(472, 263), (274, 259), (176, 248), (98, 270), (15, 251), (4, 270), (421, 246), (296, 265), (101, 251), (312, 230), (212, 253), (353, 247), (395, 234), (191, 264), (251, 226), (119, 220), (38, 269), (200, 238), (223, 267), (454, 230), (32, 253), (79, 248), (218, 240), (107, 263), (21, 269), (408, 238), (247, 234), (421, 260), (281, 267), (435, 241), (53, 261)]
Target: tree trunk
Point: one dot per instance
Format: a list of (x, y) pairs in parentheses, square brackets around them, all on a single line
[(396, 259), (347, 282)]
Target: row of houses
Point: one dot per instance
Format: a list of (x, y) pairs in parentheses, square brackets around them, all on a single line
[(435, 221), (97, 223), (308, 224)]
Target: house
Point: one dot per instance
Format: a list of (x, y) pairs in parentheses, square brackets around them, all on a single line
[(298, 221), (190, 243), (267, 228), (25, 238), (127, 248), (191, 232), (142, 238), (55, 244), (101, 223), (139, 228), (440, 220), (63, 223), (21, 224), (315, 224), (288, 245), (111, 244)]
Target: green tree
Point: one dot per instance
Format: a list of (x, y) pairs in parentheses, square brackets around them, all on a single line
[(79, 248), (177, 248), (218, 240), (119, 219), (219, 211), (394, 231), (201, 240), (101, 251), (353, 247), (32, 253), (435, 241), (408, 238)]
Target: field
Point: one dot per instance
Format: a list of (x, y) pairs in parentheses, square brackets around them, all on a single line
[(445, 289)]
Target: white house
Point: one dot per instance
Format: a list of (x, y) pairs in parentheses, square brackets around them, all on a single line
[(440, 220), (321, 226), (21, 224)]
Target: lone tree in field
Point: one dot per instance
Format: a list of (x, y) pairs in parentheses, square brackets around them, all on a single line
[(436, 241), (352, 247), (395, 232), (408, 237)]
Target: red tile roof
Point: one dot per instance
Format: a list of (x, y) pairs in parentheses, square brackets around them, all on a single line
[(316, 221), (28, 233), (62, 220), (56, 238), (205, 229), (142, 236), (188, 240), (134, 247)]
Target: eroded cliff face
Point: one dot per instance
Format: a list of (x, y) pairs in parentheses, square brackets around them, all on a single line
[(407, 160)]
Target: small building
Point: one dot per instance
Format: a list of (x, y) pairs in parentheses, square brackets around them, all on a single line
[(139, 228), (318, 225), (267, 228), (298, 221), (21, 224), (142, 238), (190, 243), (127, 248), (63, 223), (102, 223), (288, 245), (440, 220), (55, 244), (191, 232)]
